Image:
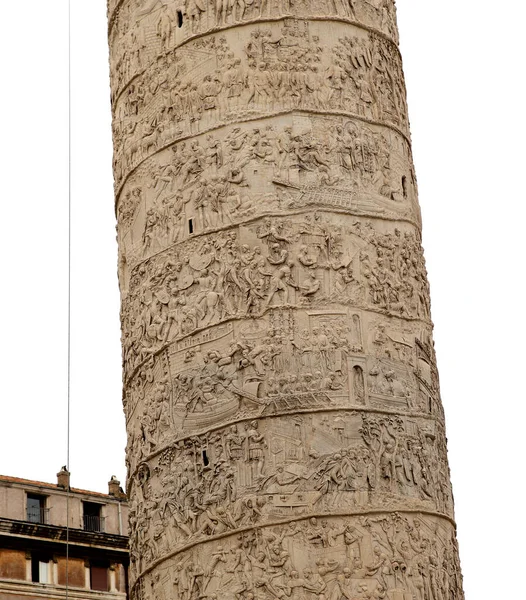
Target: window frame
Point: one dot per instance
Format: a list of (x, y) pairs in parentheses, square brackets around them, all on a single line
[(100, 567), (40, 563), (43, 508), (97, 524)]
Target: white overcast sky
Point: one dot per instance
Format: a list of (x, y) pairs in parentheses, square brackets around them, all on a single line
[(465, 66)]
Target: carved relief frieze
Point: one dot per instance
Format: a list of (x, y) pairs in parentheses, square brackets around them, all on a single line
[(288, 362), (213, 81), (218, 180), (403, 556), (311, 463), (304, 261), (140, 32)]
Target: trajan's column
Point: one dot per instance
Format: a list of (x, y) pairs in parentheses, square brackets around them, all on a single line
[(286, 435)]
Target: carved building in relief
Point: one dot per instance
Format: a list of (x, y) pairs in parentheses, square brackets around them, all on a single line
[(285, 429)]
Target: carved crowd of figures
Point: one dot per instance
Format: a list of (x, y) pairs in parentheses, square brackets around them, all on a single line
[(142, 32), (283, 69), (215, 182), (371, 557), (251, 474), (259, 377), (276, 367), (275, 263)]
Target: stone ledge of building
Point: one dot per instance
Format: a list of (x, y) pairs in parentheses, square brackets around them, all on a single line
[(53, 591), (57, 533)]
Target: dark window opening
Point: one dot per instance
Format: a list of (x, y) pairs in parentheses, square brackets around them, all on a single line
[(36, 509), (404, 186), (35, 570), (297, 431), (99, 580), (93, 521), (190, 225), (206, 462), (179, 18), (359, 385)]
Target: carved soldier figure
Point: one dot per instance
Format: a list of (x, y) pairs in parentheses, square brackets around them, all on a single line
[(194, 9), (256, 445), (164, 27), (234, 444)]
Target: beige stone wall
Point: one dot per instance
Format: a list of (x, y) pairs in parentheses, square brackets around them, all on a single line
[(12, 503), (58, 511), (114, 523), (285, 430)]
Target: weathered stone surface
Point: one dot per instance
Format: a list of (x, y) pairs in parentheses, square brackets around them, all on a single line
[(285, 430)]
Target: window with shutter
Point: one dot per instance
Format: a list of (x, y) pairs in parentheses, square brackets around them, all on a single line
[(99, 578), (40, 569), (43, 572)]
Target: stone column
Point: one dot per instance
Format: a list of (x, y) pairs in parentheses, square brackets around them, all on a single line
[(285, 430)]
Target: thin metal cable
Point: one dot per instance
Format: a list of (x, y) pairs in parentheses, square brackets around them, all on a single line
[(69, 302)]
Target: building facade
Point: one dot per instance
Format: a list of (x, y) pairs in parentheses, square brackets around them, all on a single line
[(40, 559), (286, 437)]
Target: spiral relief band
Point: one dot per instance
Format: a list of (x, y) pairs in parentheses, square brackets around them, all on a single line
[(286, 435)]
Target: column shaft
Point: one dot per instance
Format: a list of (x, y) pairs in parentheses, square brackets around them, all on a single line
[(285, 429)]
